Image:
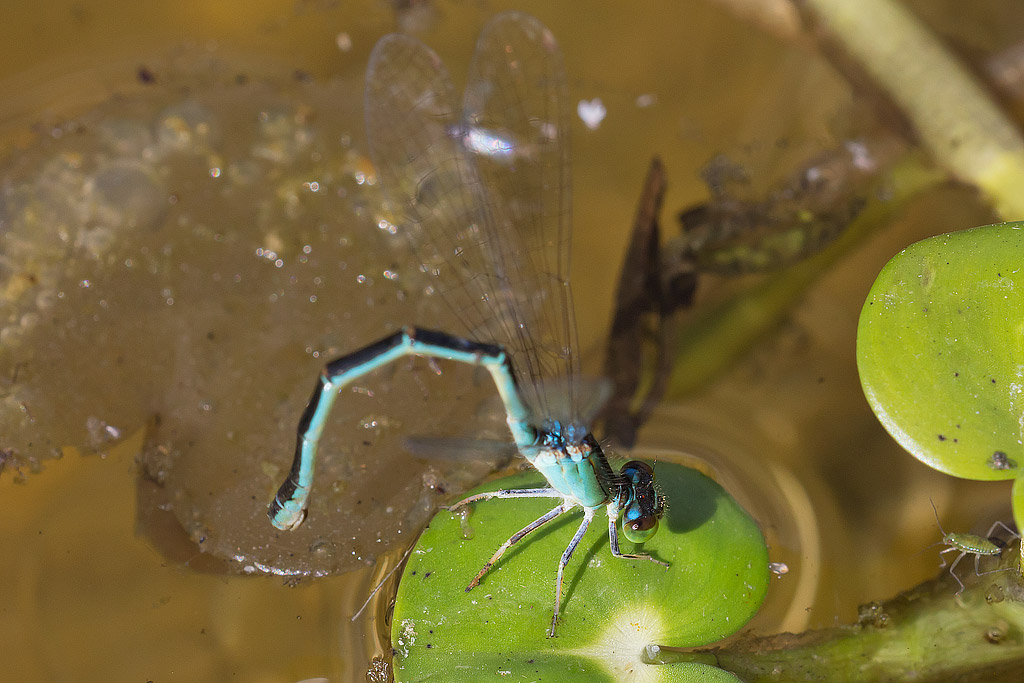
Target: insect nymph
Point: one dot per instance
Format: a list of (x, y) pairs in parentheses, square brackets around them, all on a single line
[(970, 544), (484, 192)]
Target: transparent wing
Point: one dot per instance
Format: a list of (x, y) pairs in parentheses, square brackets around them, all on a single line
[(483, 191), (461, 449), (516, 123)]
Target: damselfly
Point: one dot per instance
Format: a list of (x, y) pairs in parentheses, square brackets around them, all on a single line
[(483, 192)]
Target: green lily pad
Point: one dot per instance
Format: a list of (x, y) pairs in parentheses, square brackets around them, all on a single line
[(940, 349), (611, 608), (1017, 503)]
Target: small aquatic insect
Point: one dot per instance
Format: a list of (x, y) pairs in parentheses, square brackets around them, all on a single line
[(485, 194), (970, 544), (1000, 461)]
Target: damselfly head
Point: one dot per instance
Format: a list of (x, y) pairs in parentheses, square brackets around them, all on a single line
[(643, 504)]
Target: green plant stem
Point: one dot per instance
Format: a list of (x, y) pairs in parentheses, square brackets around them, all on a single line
[(719, 335), (957, 121), (926, 634), (955, 117)]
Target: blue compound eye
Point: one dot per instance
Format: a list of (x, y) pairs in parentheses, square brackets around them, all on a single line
[(637, 472), (643, 504)]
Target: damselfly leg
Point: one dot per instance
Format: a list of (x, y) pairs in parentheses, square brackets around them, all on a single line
[(482, 191), (558, 511)]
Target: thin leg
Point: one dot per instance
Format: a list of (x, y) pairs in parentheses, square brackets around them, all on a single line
[(943, 552), (288, 509), (588, 515), (507, 493), (977, 558), (990, 571), (518, 536), (613, 539), (952, 573), (997, 523)]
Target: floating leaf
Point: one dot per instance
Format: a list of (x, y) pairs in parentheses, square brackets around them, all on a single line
[(940, 349), (1017, 502), (611, 608)]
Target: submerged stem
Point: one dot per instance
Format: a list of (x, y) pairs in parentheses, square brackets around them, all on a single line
[(926, 634), (720, 334), (955, 117)]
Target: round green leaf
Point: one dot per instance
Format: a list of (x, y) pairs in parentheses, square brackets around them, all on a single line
[(612, 608), (940, 349), (1017, 503)]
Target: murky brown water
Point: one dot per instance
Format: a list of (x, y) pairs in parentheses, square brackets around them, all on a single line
[(215, 311)]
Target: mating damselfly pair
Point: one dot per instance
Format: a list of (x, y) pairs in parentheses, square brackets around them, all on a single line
[(483, 192)]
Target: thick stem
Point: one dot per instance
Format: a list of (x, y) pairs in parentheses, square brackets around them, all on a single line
[(953, 114), (926, 634)]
